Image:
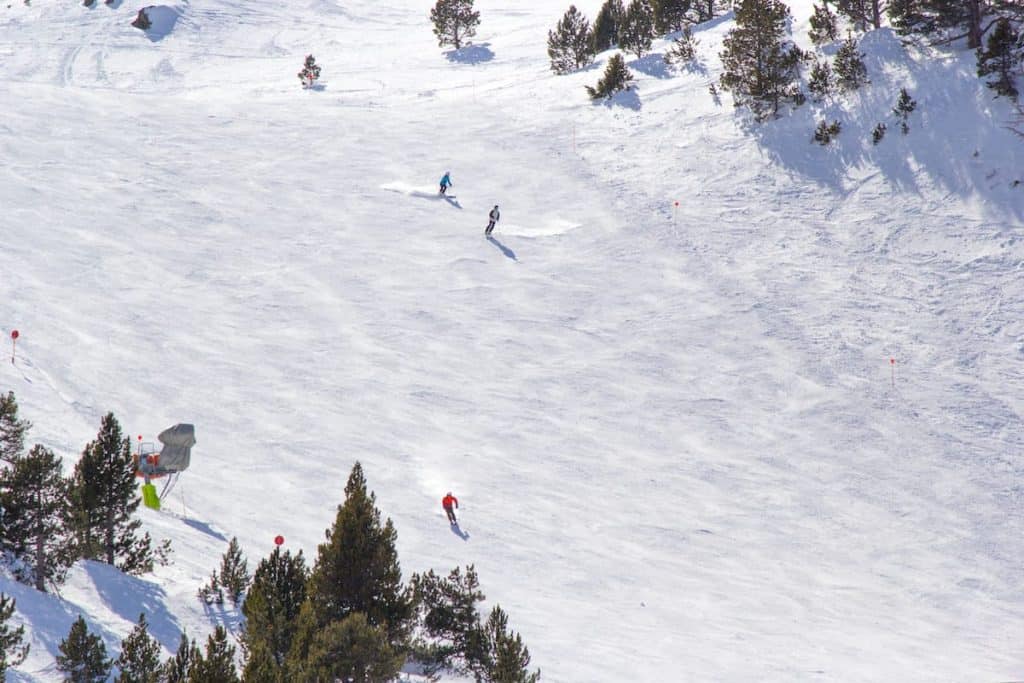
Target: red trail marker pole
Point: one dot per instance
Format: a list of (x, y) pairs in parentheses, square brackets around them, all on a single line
[(892, 366), (14, 342)]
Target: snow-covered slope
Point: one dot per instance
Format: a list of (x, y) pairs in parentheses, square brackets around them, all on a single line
[(681, 448)]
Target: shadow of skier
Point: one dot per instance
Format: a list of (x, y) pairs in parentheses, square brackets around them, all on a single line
[(504, 250), (459, 532)]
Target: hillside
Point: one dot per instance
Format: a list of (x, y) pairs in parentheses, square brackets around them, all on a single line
[(681, 449)]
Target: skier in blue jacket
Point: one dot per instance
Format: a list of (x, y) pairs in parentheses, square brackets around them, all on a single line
[(446, 182)]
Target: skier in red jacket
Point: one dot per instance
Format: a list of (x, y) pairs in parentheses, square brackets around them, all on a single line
[(447, 503)]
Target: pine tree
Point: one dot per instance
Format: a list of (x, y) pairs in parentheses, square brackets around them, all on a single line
[(12, 650), (310, 72), (670, 15), (455, 22), (821, 80), (213, 592), (617, 77), (352, 650), (271, 610), (760, 69), (217, 664), (637, 28), (34, 496), (824, 26), (826, 132), (947, 19), (83, 656), (851, 72), (357, 568), (1000, 59), (498, 655), (12, 428), (139, 661), (878, 133), (905, 105), (103, 500), (864, 14), (683, 50), (448, 617), (570, 45), (606, 25), (234, 572), (178, 669)]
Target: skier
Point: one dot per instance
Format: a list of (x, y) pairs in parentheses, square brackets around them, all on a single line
[(447, 503), (446, 182), (494, 215)]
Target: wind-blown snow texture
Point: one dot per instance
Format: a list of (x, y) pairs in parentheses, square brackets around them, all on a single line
[(673, 429)]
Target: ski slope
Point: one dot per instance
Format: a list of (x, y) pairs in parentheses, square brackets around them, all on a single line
[(663, 393)]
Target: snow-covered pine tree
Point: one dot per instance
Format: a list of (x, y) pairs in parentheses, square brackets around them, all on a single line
[(448, 619), (212, 592), (217, 664), (637, 28), (670, 15), (683, 50), (826, 132), (570, 45), (12, 428), (234, 572), (616, 78), (878, 133), (139, 661), (103, 499), (821, 81), (851, 72), (824, 24), (34, 494), (864, 14), (271, 610), (83, 656), (499, 654), (1000, 58), (178, 669), (455, 22), (760, 67), (310, 72), (606, 25), (12, 648), (356, 571), (905, 105)]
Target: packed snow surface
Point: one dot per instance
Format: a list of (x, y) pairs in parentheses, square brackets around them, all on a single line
[(718, 403)]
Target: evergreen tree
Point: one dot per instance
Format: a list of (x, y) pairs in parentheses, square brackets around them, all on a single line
[(12, 428), (617, 77), (83, 656), (824, 26), (213, 592), (448, 617), (905, 105), (271, 610), (851, 72), (12, 650), (637, 28), (826, 132), (1000, 59), (606, 25), (310, 72), (864, 14), (352, 650), (570, 45), (357, 568), (498, 655), (178, 669), (103, 500), (217, 664), (234, 572), (683, 50), (455, 22), (760, 69), (946, 19), (821, 80), (34, 495), (139, 661), (670, 15), (878, 133)]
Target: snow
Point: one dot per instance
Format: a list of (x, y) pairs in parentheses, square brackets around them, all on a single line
[(681, 449)]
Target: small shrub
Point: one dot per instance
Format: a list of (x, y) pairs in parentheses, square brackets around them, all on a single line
[(878, 133), (826, 132)]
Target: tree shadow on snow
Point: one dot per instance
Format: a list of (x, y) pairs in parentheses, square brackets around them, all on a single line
[(204, 528), (504, 250), (630, 99), (162, 20), (471, 54), (653, 65), (459, 532), (128, 597)]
